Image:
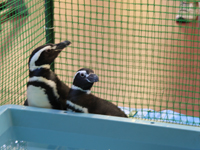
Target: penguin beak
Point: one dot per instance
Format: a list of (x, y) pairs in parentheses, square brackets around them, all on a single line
[(62, 45), (92, 78)]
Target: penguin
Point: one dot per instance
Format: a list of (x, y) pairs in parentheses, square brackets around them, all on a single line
[(81, 100), (44, 88)]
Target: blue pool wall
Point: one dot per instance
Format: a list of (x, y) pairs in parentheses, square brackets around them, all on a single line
[(94, 131)]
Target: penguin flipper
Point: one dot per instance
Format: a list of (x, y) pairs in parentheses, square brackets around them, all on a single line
[(63, 105), (26, 103)]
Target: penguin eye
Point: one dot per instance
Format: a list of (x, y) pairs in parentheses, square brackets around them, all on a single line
[(48, 50), (82, 75)]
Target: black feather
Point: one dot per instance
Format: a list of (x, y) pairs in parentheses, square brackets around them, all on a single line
[(94, 104), (46, 57)]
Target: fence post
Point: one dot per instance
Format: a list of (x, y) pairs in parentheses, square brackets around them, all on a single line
[(49, 12)]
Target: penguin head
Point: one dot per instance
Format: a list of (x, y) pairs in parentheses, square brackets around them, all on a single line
[(84, 79), (44, 55)]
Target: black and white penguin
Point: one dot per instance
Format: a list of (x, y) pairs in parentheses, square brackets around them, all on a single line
[(44, 88), (80, 98)]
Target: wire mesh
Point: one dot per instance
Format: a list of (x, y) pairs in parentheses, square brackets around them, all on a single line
[(22, 29), (143, 57)]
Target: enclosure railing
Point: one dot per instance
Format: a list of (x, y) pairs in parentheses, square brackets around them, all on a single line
[(147, 63)]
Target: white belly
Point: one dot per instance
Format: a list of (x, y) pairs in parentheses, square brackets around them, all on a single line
[(37, 97)]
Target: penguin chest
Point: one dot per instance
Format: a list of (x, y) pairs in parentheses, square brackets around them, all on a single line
[(37, 97)]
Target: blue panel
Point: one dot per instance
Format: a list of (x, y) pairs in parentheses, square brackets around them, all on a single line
[(98, 132), (5, 119)]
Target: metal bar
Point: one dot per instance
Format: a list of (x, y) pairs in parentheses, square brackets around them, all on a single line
[(49, 9)]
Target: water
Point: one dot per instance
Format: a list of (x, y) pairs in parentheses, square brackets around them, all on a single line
[(24, 145), (24, 138), (12, 140), (11, 145)]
